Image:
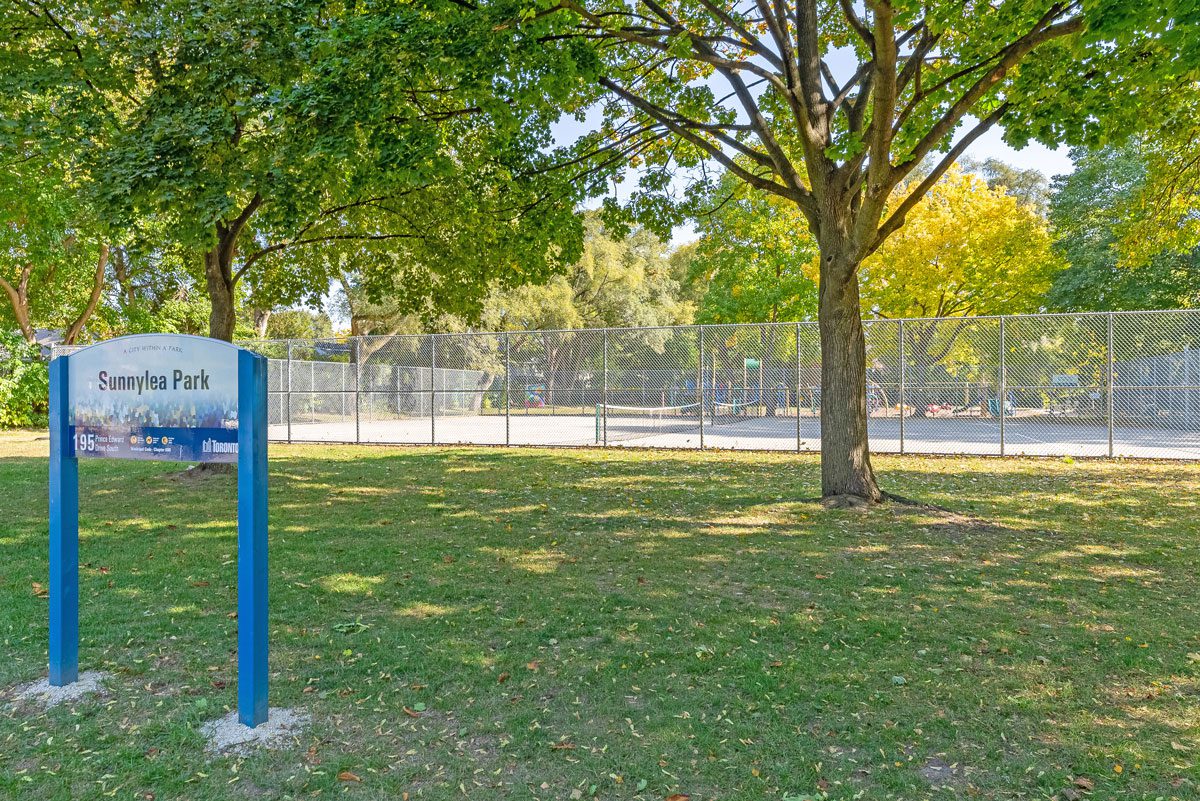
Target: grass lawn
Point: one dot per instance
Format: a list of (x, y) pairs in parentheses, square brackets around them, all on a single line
[(541, 624)]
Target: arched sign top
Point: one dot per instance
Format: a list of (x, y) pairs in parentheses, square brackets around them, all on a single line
[(156, 339), (167, 397)]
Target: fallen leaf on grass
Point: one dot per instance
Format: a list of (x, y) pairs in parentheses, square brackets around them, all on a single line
[(411, 713), (40, 591), (347, 776), (503, 677), (1084, 783), (534, 666), (562, 746), (679, 797), (199, 584)]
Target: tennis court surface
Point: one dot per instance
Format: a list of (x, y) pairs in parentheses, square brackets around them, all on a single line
[(654, 428)]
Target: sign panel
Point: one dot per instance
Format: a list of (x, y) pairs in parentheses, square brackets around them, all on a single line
[(155, 396)]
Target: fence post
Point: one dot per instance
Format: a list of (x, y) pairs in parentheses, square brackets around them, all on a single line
[(507, 388), (357, 390), (1003, 402), (288, 392), (1112, 381), (432, 389), (903, 402), (604, 394), (799, 442), (700, 383)]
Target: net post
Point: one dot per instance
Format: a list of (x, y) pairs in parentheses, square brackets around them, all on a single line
[(288, 392), (903, 401), (507, 389), (1003, 404), (357, 390), (432, 389), (602, 419), (1111, 386), (700, 381)]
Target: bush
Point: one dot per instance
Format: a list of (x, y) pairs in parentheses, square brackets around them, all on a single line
[(24, 383)]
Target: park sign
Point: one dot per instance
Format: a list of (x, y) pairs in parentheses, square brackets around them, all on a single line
[(155, 396), (165, 397)]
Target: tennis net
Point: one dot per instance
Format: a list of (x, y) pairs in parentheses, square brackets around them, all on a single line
[(624, 423), (728, 412)]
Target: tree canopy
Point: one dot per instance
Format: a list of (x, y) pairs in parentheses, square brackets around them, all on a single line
[(834, 107), (246, 129), (1092, 210)]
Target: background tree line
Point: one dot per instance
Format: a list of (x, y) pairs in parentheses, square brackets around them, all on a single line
[(201, 166)]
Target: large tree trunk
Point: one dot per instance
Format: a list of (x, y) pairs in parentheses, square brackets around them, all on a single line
[(262, 318), (221, 318), (845, 455), (219, 274)]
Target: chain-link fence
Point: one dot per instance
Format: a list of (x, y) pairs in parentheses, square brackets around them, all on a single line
[(1108, 384)]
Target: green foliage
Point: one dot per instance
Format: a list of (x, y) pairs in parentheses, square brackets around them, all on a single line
[(404, 142), (615, 283), (24, 383), (298, 324), (752, 262), (49, 241), (1089, 210), (1029, 186), (967, 248)]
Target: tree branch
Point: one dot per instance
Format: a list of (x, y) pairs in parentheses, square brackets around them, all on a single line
[(1009, 57), (93, 300), (669, 120), (893, 222)]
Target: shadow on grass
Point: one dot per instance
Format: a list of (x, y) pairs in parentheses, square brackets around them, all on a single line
[(678, 618)]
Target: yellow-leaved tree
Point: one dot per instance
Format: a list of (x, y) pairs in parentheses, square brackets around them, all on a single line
[(967, 249)]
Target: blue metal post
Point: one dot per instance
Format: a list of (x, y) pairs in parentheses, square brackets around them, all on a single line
[(252, 538), (64, 533)]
